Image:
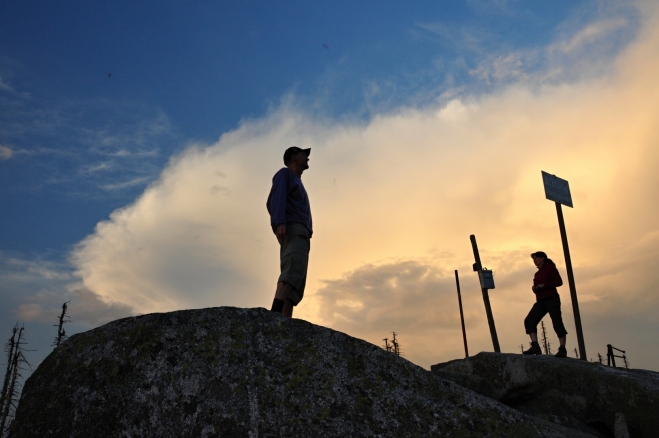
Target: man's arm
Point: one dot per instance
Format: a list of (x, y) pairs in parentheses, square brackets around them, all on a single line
[(277, 203)]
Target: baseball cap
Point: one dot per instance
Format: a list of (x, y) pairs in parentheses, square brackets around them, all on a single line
[(539, 254), (294, 150)]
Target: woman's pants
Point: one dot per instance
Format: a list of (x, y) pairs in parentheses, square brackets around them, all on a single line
[(539, 310)]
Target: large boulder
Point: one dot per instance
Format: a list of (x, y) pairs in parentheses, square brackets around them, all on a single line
[(590, 397), (247, 372)]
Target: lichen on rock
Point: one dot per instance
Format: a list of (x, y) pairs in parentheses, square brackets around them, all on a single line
[(225, 372)]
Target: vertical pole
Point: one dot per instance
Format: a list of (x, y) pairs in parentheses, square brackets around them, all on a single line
[(486, 298), (570, 279), (462, 318)]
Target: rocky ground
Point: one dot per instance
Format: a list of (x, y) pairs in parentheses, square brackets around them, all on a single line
[(250, 373), (593, 398)]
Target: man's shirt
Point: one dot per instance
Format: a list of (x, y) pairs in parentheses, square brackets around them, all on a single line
[(288, 200)]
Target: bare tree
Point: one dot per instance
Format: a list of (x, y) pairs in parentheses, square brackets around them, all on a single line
[(395, 345), (545, 344), (9, 348), (11, 391), (63, 319)]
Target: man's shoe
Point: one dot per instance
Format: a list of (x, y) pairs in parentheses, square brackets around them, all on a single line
[(562, 352), (535, 349)]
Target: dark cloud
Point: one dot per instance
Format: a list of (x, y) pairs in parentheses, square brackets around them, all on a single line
[(404, 293), (33, 291), (84, 307), (415, 298)]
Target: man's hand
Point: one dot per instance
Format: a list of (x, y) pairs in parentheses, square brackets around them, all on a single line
[(281, 231)]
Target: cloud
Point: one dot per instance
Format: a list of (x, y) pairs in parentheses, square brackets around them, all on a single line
[(417, 299), (34, 290), (5, 87), (377, 296), (5, 152), (394, 202), (579, 52), (592, 33), (95, 148), (131, 183), (84, 307)]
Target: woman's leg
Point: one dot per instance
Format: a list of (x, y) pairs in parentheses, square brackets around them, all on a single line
[(531, 321), (554, 308)]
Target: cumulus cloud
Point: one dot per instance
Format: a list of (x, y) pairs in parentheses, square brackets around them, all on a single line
[(394, 202), (5, 152)]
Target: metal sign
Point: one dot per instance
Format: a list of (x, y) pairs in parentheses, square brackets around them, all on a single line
[(557, 189)]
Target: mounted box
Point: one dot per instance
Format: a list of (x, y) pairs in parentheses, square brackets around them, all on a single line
[(486, 278)]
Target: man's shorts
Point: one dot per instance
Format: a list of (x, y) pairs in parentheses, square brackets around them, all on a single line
[(294, 259)]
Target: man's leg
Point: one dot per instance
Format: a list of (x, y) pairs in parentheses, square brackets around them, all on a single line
[(281, 293), (288, 308), (281, 304), (282, 290), (290, 288)]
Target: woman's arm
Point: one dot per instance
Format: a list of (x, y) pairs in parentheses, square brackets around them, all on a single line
[(553, 278)]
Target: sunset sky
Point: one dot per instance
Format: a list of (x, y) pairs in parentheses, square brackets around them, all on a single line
[(138, 141)]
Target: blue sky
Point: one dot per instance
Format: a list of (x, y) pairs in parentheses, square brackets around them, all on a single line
[(100, 100), (85, 143)]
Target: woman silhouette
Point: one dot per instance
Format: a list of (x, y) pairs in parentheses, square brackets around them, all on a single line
[(545, 282)]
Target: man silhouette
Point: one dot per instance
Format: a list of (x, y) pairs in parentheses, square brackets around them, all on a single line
[(290, 219)]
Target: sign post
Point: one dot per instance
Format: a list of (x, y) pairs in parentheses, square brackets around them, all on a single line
[(478, 267), (462, 318), (558, 190)]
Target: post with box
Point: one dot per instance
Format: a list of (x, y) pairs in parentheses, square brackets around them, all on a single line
[(487, 282)]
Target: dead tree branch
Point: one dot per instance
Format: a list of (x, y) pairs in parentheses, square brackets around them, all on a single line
[(63, 319)]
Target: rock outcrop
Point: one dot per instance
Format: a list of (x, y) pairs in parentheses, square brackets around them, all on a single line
[(593, 398), (225, 372)]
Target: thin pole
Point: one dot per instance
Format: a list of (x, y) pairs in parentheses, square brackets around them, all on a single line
[(462, 318), (570, 279), (486, 298)]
